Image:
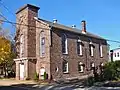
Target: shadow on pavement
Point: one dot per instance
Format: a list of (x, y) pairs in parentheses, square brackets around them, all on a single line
[(49, 86)]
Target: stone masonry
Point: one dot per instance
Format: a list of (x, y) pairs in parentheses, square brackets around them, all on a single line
[(30, 26)]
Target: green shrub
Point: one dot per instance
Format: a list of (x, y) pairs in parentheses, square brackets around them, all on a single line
[(89, 81), (36, 76), (111, 71), (27, 78), (45, 75)]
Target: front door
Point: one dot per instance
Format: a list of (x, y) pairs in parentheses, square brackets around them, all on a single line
[(22, 71)]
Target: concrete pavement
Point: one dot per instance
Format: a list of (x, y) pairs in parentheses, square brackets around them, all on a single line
[(11, 84)]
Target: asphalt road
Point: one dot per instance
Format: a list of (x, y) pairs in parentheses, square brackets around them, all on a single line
[(11, 88)]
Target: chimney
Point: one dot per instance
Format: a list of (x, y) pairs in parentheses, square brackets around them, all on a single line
[(54, 20), (83, 23), (73, 26)]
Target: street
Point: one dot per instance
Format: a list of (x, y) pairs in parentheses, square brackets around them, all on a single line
[(11, 88), (67, 88), (31, 85)]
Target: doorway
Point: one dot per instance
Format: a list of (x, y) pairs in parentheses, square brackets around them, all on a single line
[(21, 71)]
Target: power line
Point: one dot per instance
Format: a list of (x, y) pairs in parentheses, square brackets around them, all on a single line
[(113, 41), (13, 23), (6, 8), (22, 24)]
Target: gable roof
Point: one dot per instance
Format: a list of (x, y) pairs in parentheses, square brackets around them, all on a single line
[(74, 30), (115, 49)]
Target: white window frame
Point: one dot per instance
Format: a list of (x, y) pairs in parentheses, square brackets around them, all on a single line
[(21, 45), (66, 67), (93, 65), (101, 50), (80, 49), (91, 49), (80, 46), (42, 46), (42, 71), (81, 67), (66, 44)]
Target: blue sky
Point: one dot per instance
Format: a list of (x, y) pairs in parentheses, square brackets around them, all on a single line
[(102, 16)]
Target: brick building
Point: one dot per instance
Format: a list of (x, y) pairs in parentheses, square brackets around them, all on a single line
[(62, 52)]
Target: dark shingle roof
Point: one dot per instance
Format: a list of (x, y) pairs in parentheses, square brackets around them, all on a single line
[(75, 30)]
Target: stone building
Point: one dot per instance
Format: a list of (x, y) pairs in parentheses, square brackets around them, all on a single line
[(62, 52)]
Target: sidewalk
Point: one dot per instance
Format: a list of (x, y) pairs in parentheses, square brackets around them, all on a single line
[(9, 82)]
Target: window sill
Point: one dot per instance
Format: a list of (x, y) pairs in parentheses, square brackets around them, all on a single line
[(65, 53), (42, 56), (81, 72), (91, 56), (65, 72), (80, 55)]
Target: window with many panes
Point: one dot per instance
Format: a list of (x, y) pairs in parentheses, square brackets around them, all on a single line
[(91, 48), (79, 46), (80, 67), (101, 50), (65, 66), (42, 44), (21, 45), (92, 65), (64, 44)]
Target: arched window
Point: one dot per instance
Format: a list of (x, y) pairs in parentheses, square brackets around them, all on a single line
[(42, 44), (79, 46), (21, 45), (91, 47), (80, 67), (64, 44), (101, 50), (65, 66), (42, 71)]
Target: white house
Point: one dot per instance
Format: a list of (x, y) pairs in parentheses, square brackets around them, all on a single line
[(115, 54)]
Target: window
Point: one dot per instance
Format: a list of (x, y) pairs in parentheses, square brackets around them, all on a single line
[(92, 65), (118, 54), (115, 54), (101, 50), (79, 47), (80, 67), (21, 45), (64, 44), (91, 48), (42, 44), (101, 64), (65, 67), (42, 70), (56, 69)]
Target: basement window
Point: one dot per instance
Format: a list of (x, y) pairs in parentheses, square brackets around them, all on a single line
[(65, 67), (80, 67)]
